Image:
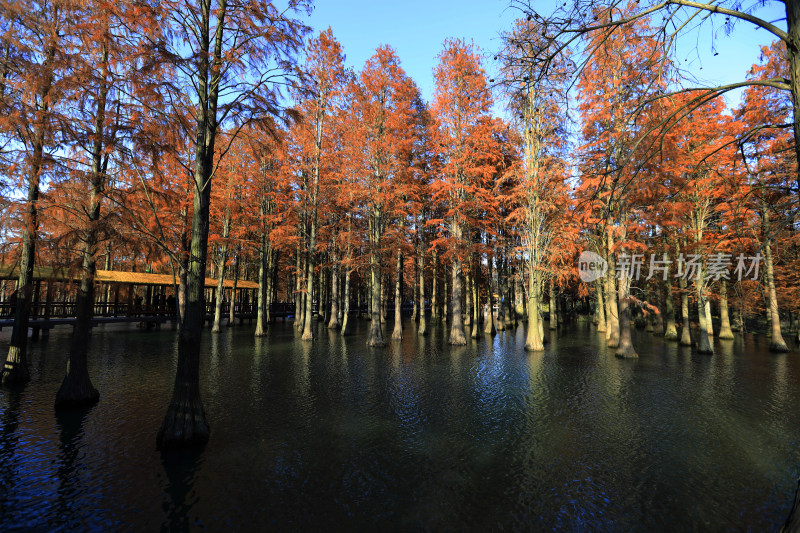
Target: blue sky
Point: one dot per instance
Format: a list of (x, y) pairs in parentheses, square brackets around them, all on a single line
[(416, 29)]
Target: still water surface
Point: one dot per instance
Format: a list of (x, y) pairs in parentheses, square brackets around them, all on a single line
[(418, 435)]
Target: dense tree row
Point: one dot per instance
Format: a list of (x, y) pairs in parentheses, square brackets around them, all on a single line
[(156, 137)]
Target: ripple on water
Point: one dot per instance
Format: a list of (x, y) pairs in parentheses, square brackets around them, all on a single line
[(484, 436)]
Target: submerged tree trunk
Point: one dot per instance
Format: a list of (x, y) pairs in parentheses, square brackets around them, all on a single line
[(423, 324), (671, 333), (375, 330), (500, 322), (346, 314), (476, 302), (300, 292), (77, 390), (457, 337), (185, 422), (435, 287), (534, 341), (223, 257), (488, 326), (415, 307), (232, 303), (15, 370), (397, 334), (600, 313), (776, 344), (308, 331), (468, 298), (725, 323), (612, 312), (334, 323), (263, 272), (686, 326), (384, 297), (625, 348), (704, 345)]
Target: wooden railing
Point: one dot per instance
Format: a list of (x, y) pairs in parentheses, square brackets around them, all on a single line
[(54, 310)]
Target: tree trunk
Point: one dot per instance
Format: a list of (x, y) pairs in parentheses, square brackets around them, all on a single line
[(671, 333), (384, 297), (397, 334), (299, 305), (434, 288), (375, 331), (686, 327), (446, 302), (704, 345), (776, 344), (625, 348), (15, 370), (308, 325), (488, 326), (457, 337), (534, 341), (600, 313), (476, 301), (612, 312), (552, 306), (500, 322), (185, 422), (223, 257), (415, 307), (77, 390), (346, 314), (423, 323), (468, 298), (262, 287), (232, 306), (509, 315), (334, 321), (725, 323)]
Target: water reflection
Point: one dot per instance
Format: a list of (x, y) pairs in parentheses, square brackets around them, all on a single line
[(180, 495), (416, 435), (9, 440), (70, 464)]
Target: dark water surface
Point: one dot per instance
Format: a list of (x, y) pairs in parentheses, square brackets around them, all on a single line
[(418, 435)]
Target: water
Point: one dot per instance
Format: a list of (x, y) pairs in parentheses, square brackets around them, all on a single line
[(418, 435)]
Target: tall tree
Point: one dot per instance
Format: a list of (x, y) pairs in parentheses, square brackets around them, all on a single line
[(461, 105), (237, 52), (34, 64), (384, 104)]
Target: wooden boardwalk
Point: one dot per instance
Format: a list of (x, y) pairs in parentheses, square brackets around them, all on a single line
[(63, 314)]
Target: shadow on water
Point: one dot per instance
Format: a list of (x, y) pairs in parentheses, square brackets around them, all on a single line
[(181, 469), (9, 440), (70, 425)]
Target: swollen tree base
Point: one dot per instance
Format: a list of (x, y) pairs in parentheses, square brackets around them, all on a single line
[(376, 342), (76, 392), (725, 333), (457, 337), (686, 336), (778, 346), (704, 343), (15, 370), (626, 351), (184, 426)]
